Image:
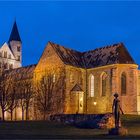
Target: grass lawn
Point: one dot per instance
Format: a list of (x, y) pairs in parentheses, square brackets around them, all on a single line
[(50, 130)]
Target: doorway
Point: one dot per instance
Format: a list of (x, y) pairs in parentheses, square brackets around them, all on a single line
[(80, 102)]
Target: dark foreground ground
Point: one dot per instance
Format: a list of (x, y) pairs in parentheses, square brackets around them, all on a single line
[(48, 130)]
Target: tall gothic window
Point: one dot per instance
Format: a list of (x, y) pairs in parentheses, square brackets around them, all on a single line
[(123, 83), (103, 84), (91, 83), (54, 78)]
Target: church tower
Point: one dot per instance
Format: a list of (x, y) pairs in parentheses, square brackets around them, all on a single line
[(15, 45)]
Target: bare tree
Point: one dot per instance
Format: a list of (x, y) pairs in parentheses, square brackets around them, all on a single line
[(28, 96), (16, 90), (44, 95), (25, 97), (50, 94), (7, 97), (13, 98)]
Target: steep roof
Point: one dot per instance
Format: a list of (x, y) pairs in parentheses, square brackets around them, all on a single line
[(21, 73), (14, 33), (114, 54), (68, 56)]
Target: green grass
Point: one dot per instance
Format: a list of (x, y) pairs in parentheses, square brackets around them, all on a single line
[(51, 130)]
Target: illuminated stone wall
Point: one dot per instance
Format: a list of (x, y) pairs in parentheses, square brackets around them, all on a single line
[(138, 91), (75, 76), (99, 103), (104, 103), (128, 101), (75, 87), (50, 63)]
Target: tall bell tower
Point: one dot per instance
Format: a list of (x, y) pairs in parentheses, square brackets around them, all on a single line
[(15, 45)]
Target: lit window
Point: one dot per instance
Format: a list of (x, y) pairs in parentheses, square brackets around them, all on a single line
[(54, 78), (123, 84), (91, 86), (103, 83)]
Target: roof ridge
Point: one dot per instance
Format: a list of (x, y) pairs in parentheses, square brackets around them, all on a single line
[(64, 47), (111, 54), (99, 48)]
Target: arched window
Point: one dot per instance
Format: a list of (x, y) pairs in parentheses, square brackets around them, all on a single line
[(103, 84), (54, 78), (123, 83), (91, 86)]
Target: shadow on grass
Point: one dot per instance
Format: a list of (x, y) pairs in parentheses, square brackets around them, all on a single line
[(51, 130)]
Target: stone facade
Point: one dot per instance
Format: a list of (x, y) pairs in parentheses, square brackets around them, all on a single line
[(11, 52), (81, 82), (77, 82)]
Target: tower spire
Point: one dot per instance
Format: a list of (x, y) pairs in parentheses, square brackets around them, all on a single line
[(14, 34)]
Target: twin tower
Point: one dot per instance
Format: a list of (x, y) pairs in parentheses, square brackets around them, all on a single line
[(11, 51)]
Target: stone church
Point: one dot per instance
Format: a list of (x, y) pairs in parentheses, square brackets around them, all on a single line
[(92, 77), (83, 82), (10, 52)]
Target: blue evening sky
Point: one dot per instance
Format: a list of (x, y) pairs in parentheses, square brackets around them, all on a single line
[(79, 25)]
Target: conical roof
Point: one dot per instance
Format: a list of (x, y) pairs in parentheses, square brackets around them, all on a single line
[(14, 34)]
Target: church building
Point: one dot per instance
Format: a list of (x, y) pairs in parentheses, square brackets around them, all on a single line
[(92, 78), (82, 82), (10, 52)]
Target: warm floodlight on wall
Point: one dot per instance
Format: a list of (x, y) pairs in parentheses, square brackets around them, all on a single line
[(95, 103)]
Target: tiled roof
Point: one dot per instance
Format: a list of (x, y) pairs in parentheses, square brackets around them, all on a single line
[(68, 56), (20, 73), (114, 54)]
